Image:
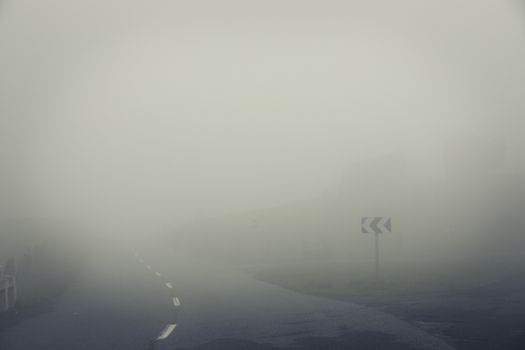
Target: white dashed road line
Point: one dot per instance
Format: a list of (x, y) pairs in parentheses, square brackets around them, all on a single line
[(166, 331), (176, 302)]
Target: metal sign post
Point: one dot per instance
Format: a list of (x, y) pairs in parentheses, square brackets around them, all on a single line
[(376, 235), (376, 225)]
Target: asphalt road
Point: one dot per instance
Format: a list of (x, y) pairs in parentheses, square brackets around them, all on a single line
[(152, 298)]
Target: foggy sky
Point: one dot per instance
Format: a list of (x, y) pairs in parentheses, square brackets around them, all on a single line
[(144, 112)]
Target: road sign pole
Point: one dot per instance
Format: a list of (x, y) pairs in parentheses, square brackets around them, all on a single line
[(377, 255), (376, 225)]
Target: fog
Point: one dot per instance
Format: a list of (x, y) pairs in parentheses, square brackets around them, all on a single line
[(222, 166), (148, 117)]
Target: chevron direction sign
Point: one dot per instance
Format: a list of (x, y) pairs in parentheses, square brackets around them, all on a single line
[(376, 224)]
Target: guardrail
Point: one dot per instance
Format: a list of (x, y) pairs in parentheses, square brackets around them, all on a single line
[(8, 292)]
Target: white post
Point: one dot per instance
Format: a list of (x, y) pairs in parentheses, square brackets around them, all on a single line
[(3, 289)]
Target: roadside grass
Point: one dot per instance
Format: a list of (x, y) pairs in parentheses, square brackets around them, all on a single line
[(471, 304), (358, 279)]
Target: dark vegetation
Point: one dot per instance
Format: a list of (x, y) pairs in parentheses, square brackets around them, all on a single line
[(475, 305), (43, 273)]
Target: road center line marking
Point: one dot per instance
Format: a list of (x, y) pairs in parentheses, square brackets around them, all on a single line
[(158, 274), (148, 267), (169, 285), (141, 261), (166, 331), (176, 302)]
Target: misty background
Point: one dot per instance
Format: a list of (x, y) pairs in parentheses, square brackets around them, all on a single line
[(195, 174), (153, 116)]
